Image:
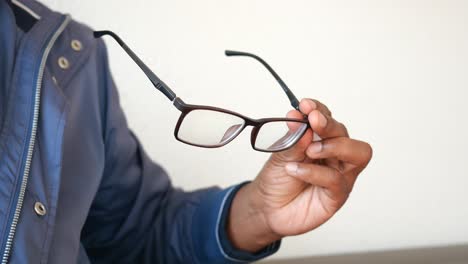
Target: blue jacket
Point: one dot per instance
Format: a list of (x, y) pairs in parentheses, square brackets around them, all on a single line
[(75, 183)]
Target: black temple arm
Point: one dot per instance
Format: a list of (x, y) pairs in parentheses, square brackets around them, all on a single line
[(292, 98), (158, 83)]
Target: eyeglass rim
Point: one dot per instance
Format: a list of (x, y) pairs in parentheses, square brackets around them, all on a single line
[(185, 109), (256, 130)]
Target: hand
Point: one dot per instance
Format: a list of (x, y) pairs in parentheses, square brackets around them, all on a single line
[(301, 188)]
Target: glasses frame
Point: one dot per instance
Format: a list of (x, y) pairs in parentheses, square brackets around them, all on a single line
[(187, 108), (255, 123)]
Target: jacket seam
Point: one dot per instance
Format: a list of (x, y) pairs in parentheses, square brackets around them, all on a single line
[(49, 231)]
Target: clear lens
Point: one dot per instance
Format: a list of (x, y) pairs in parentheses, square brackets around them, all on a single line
[(279, 135), (209, 128)]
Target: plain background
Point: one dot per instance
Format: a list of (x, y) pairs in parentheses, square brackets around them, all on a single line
[(395, 72)]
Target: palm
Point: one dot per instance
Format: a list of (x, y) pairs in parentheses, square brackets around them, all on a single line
[(311, 208), (294, 206)]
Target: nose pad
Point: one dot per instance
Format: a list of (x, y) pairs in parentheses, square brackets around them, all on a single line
[(290, 137), (230, 132), (282, 142), (286, 141)]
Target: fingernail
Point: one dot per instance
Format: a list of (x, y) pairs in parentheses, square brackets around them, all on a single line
[(322, 120), (315, 147), (291, 168)]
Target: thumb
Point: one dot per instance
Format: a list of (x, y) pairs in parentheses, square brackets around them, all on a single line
[(296, 152)]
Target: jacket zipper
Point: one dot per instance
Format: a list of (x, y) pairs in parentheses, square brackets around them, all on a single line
[(32, 139)]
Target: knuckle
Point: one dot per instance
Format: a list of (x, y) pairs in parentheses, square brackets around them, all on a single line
[(335, 179), (335, 128), (368, 152), (326, 112), (337, 145), (349, 147), (346, 188), (343, 128), (322, 107), (349, 189)]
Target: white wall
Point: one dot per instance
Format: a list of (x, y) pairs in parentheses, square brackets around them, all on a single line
[(394, 71)]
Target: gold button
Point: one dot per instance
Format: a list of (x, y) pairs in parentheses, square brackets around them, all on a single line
[(76, 45), (63, 63), (40, 209)]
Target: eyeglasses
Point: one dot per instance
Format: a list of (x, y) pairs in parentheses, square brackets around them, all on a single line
[(213, 127)]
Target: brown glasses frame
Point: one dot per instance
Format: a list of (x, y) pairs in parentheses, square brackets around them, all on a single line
[(187, 108), (255, 123)]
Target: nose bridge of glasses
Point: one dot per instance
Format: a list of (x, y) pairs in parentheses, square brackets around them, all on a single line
[(253, 135)]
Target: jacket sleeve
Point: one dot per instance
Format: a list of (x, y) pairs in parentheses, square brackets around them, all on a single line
[(137, 216)]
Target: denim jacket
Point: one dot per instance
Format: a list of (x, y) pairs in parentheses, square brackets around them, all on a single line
[(75, 184)]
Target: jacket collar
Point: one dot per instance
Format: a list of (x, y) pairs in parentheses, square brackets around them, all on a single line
[(25, 17)]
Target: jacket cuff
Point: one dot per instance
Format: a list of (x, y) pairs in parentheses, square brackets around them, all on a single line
[(209, 236)]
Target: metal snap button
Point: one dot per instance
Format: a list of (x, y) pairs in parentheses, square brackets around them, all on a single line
[(40, 209), (76, 45), (63, 63)]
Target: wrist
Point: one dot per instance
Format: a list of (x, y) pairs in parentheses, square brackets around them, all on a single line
[(247, 225)]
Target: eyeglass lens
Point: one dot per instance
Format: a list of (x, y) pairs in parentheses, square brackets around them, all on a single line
[(209, 128), (279, 135)]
